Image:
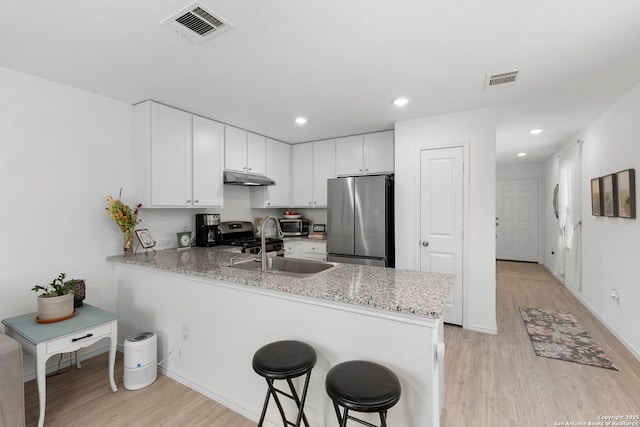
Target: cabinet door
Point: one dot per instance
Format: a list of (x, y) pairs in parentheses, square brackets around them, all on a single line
[(301, 175), (170, 156), (378, 152), (292, 248), (324, 154), (208, 146), (278, 169), (235, 149), (349, 156), (256, 154)]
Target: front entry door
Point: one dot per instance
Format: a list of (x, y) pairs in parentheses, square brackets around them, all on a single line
[(441, 220), (517, 220)]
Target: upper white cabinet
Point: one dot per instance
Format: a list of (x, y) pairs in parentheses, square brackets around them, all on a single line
[(278, 169), (365, 154), (177, 157), (244, 151), (208, 152), (312, 163)]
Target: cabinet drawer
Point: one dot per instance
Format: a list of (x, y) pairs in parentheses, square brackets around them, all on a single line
[(68, 341), (314, 247)]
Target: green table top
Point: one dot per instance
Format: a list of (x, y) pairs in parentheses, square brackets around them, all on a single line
[(88, 316)]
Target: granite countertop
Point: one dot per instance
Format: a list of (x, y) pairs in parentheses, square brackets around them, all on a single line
[(396, 290)]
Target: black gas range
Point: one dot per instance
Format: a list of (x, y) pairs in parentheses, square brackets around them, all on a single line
[(242, 233)]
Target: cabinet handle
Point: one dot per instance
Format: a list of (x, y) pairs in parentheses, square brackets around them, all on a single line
[(425, 243), (189, 201), (81, 338), (310, 203), (195, 201), (249, 168), (268, 203), (359, 170), (367, 169), (315, 203)]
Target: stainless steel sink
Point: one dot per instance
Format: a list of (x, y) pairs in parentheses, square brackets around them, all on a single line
[(286, 266)]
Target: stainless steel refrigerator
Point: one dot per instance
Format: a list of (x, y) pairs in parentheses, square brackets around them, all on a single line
[(360, 220)]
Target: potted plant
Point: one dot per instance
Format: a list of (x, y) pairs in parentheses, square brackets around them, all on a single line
[(56, 302)]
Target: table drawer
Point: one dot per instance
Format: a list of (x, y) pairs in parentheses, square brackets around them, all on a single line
[(79, 338)]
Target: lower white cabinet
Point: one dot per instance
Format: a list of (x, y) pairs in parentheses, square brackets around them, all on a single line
[(305, 249), (314, 250)]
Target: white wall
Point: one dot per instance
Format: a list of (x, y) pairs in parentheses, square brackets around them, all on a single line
[(610, 245), (520, 170), (62, 151), (478, 128)]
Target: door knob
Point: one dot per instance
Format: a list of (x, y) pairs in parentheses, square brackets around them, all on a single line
[(425, 243)]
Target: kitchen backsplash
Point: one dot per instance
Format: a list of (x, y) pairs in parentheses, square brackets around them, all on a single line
[(163, 224)]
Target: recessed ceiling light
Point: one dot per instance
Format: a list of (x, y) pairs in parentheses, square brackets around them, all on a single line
[(522, 154), (400, 102), (301, 120), (535, 131)]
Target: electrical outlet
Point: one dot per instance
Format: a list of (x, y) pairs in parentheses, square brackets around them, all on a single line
[(185, 332)]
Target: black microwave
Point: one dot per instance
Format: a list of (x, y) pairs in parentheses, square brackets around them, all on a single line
[(294, 227)]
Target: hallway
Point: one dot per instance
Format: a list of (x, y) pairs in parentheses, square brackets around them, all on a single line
[(497, 380)]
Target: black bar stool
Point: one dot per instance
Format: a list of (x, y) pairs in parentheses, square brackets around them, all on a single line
[(362, 386), (285, 360)]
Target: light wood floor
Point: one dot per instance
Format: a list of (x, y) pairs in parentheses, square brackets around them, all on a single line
[(499, 381), (490, 380)]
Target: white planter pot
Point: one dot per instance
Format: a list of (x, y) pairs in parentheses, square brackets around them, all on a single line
[(55, 307)]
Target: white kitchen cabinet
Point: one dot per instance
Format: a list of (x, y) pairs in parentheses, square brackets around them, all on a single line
[(365, 154), (175, 166), (292, 248), (208, 150), (314, 250), (312, 164), (244, 151), (278, 167), (301, 175)]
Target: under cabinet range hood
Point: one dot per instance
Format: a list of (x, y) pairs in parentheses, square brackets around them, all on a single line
[(239, 178)]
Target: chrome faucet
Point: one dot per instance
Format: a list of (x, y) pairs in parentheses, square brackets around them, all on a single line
[(263, 244)]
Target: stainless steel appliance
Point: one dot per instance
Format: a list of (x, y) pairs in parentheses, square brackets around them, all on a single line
[(242, 233), (294, 227), (360, 220), (207, 233)]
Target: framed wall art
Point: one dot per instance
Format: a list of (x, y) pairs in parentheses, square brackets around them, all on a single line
[(609, 195), (626, 193), (597, 208)]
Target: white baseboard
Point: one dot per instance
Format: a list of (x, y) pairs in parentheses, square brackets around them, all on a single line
[(482, 329), (234, 407), (604, 322)]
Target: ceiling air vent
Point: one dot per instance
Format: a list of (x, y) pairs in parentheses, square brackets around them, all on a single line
[(501, 79), (196, 23)]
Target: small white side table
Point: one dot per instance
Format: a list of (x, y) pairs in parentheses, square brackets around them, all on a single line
[(44, 340)]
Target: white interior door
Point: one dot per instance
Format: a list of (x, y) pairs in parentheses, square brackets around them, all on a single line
[(517, 220), (441, 220)]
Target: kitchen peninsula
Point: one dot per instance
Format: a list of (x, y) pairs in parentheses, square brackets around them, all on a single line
[(210, 318)]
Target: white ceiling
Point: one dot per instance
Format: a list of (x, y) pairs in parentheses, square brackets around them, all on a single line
[(341, 62)]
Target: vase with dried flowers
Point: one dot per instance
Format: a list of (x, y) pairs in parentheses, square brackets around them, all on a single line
[(126, 218)]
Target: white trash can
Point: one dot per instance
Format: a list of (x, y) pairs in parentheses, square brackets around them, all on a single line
[(140, 360)]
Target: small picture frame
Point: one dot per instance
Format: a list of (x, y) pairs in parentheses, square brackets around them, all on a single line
[(597, 203), (626, 193), (319, 228), (145, 239), (609, 195)]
